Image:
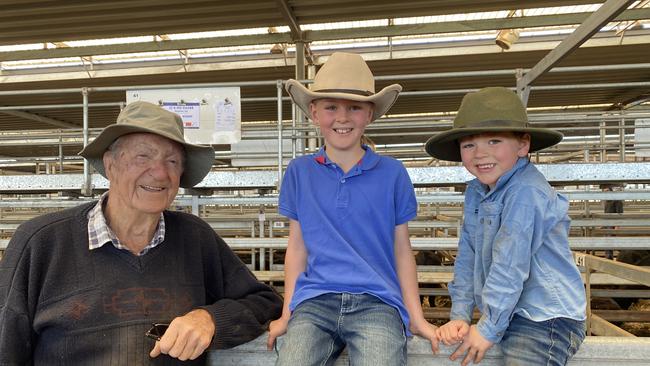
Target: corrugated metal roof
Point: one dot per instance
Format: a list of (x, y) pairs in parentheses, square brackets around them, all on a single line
[(36, 21)]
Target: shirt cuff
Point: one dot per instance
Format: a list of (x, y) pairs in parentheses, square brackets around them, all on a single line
[(287, 213), (462, 312), (489, 331)]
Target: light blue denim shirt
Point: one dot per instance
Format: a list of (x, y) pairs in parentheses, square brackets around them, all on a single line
[(514, 256)]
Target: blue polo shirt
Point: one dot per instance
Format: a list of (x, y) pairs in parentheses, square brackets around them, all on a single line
[(348, 224)]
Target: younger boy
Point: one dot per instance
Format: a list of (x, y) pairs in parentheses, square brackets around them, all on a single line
[(513, 260)]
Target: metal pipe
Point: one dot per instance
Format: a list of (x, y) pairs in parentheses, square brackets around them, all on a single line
[(312, 142), (603, 151), (384, 77), (58, 106), (592, 86), (264, 99), (60, 155), (279, 85), (621, 138), (297, 114), (87, 188)]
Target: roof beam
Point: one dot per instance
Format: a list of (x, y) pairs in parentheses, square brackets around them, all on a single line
[(296, 33), (172, 45), (323, 35), (467, 26), (36, 117), (287, 13), (606, 13), (257, 62)]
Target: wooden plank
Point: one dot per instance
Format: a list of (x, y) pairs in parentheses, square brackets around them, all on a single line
[(602, 327)]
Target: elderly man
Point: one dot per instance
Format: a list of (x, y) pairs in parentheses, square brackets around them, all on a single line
[(84, 285)]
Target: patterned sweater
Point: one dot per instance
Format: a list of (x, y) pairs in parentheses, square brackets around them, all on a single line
[(62, 304)]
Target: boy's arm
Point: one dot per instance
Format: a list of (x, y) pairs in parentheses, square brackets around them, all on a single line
[(407, 275), (295, 262), (511, 258), (461, 288)]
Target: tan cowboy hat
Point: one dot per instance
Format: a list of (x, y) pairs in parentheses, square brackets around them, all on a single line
[(344, 76), (493, 109), (144, 117)]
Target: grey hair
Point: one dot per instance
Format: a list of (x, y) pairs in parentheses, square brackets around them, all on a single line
[(115, 147)]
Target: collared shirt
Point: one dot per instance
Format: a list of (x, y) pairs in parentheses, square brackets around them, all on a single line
[(348, 224), (514, 256), (99, 233)]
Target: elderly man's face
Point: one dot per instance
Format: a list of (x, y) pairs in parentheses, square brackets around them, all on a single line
[(144, 172)]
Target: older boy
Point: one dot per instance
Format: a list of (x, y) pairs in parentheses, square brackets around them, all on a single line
[(513, 260)]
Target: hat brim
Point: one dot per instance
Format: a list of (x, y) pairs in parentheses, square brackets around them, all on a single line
[(383, 100), (198, 159), (444, 146)]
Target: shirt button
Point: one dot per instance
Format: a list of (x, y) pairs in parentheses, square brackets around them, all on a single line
[(481, 220), (342, 180), (489, 222)]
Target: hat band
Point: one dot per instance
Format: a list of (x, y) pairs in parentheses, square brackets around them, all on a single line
[(497, 123), (345, 91)]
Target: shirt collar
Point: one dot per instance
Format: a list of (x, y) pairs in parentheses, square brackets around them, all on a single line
[(99, 233), (367, 162)]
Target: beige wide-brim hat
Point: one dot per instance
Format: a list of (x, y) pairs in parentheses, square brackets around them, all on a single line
[(344, 76), (492, 109), (144, 117)]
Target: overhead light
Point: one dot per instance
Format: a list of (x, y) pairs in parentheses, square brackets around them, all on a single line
[(277, 49), (506, 37)]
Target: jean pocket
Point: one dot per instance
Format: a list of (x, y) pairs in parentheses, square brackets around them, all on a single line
[(575, 342)]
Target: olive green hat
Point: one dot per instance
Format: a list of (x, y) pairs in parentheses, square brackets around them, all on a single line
[(144, 117), (493, 109)]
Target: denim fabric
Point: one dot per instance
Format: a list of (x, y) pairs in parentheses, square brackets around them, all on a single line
[(321, 327), (513, 255), (348, 224), (547, 343)]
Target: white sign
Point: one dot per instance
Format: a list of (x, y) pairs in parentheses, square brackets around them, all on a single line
[(642, 137), (225, 116), (210, 115), (189, 112)]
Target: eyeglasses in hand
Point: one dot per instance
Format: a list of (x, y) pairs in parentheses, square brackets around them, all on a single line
[(157, 331)]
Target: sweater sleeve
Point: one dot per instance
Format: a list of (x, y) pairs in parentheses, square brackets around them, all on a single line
[(245, 307), (16, 334)]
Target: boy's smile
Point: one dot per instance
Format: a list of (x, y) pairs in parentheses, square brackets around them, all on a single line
[(488, 156)]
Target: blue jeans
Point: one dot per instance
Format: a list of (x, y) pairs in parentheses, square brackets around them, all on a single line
[(320, 328), (551, 342)]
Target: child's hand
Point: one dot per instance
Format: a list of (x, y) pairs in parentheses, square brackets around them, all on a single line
[(425, 330), (453, 332), (276, 328), (475, 346)]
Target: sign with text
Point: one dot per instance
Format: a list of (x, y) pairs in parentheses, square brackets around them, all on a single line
[(210, 115)]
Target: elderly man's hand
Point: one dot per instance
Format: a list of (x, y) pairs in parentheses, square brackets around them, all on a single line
[(187, 336)]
